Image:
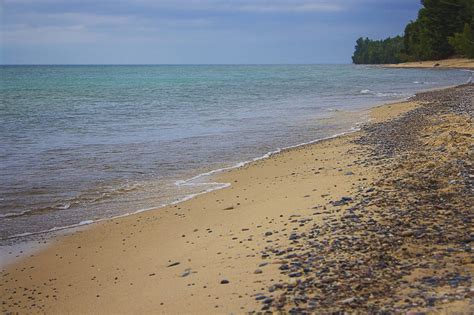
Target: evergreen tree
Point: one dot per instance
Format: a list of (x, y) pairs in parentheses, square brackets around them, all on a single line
[(463, 43), (378, 51), (442, 28)]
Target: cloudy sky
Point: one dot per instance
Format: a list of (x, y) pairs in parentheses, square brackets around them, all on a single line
[(193, 31)]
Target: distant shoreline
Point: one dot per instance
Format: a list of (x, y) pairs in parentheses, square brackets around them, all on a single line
[(454, 63)]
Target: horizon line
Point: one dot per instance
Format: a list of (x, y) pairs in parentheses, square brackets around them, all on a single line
[(171, 64)]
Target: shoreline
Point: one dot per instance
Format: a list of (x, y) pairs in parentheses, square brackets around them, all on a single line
[(175, 194), (212, 172), (453, 63), (180, 232), (205, 174), (22, 248)]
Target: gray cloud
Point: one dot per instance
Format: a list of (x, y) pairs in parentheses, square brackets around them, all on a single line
[(194, 30)]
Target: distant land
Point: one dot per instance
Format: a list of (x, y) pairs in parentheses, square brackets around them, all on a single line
[(451, 63), (442, 30)]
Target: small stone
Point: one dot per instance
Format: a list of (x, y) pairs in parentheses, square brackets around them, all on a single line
[(224, 281), (173, 264), (349, 300), (284, 267), (295, 274), (268, 301), (186, 273)]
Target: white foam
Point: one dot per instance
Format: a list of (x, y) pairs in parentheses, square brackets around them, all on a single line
[(265, 156), (386, 94), (14, 214), (54, 229), (64, 206)]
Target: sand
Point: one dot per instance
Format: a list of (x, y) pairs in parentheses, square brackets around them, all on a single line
[(458, 63), (202, 256)]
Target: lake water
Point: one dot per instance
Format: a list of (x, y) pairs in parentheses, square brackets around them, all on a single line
[(82, 143)]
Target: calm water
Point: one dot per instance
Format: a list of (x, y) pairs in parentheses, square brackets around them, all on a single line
[(80, 143)]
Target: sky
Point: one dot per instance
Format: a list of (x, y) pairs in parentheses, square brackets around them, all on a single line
[(194, 31)]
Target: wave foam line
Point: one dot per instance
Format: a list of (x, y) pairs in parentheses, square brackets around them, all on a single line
[(14, 214), (188, 182)]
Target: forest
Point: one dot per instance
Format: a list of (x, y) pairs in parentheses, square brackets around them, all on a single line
[(443, 28)]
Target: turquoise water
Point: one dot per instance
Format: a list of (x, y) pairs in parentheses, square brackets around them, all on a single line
[(81, 143)]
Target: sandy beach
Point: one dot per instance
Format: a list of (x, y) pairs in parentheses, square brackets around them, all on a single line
[(375, 220), (456, 63)]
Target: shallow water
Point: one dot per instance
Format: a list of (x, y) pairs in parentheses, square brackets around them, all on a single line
[(80, 143)]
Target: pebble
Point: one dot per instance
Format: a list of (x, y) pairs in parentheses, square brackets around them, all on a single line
[(410, 223), (173, 264), (186, 273)]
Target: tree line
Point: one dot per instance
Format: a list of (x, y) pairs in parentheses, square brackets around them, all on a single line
[(443, 28)]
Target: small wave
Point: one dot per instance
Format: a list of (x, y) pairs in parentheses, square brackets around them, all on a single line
[(14, 214), (424, 82), (382, 94), (64, 206), (89, 197), (54, 229), (392, 94)]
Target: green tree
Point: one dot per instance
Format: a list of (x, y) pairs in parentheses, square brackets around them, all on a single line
[(439, 19), (378, 51), (442, 28), (463, 43)]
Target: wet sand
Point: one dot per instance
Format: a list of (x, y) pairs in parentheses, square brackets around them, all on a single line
[(279, 232)]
